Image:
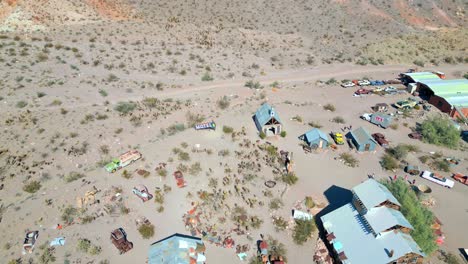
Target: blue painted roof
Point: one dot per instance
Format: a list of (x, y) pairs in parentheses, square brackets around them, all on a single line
[(359, 244), (176, 249), (315, 134), (265, 113), (383, 218), (361, 136), (372, 193)]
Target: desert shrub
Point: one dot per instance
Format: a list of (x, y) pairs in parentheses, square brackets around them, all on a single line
[(298, 118), (280, 223), (419, 63), (227, 129), (104, 149), (338, 120), (399, 152), (183, 156), (424, 158), (207, 77), (349, 160), (276, 204), (94, 250), (193, 119), (21, 104), (255, 222), (73, 176), (394, 126), (195, 169), (172, 129), (162, 172), (309, 202), (103, 92), (125, 107), (440, 131), (289, 178), (262, 135), (146, 231), (329, 107), (283, 133), (32, 187), (223, 103), (223, 153), (303, 230), (418, 216), (441, 165), (331, 81), (68, 215), (314, 124), (253, 85), (83, 245), (47, 255), (388, 162)]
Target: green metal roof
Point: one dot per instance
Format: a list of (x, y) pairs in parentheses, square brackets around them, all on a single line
[(455, 92), (383, 218), (422, 76), (372, 193), (264, 114), (354, 237)]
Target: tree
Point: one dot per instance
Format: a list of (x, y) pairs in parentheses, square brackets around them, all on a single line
[(440, 131), (418, 216), (303, 230)]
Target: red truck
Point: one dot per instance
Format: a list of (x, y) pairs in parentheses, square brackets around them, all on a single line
[(380, 138), (461, 178), (119, 239)]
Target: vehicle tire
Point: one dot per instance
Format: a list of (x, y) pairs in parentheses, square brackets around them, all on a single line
[(314, 146)]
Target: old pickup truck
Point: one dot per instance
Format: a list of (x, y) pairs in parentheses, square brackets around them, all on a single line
[(124, 160)]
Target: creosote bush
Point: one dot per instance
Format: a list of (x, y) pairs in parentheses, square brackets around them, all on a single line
[(32, 187), (146, 231), (125, 107)]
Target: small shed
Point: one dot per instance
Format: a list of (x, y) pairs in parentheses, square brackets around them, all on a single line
[(315, 138), (267, 120), (362, 140)]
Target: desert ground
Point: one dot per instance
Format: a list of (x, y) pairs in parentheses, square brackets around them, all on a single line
[(85, 81)]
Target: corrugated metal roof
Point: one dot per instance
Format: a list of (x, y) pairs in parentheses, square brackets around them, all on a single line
[(314, 134), (422, 76), (361, 136), (177, 248), (454, 92), (265, 113), (400, 243), (372, 193), (360, 245), (383, 218)]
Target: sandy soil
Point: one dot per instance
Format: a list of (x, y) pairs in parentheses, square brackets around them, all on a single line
[(299, 93)]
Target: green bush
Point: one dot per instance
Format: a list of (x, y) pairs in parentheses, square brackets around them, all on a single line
[(262, 135), (276, 204), (125, 107), (146, 231), (83, 245), (418, 216), (349, 160), (303, 230), (283, 133), (32, 187), (21, 104), (329, 107), (441, 165), (73, 176), (227, 129), (207, 77), (388, 162), (290, 178), (223, 103), (338, 120), (314, 124), (440, 131)]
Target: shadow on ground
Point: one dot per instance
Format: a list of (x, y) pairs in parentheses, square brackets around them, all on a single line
[(337, 197)]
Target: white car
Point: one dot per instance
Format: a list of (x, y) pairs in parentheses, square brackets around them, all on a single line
[(390, 89), (347, 84), (363, 82), (433, 177), (366, 116)]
